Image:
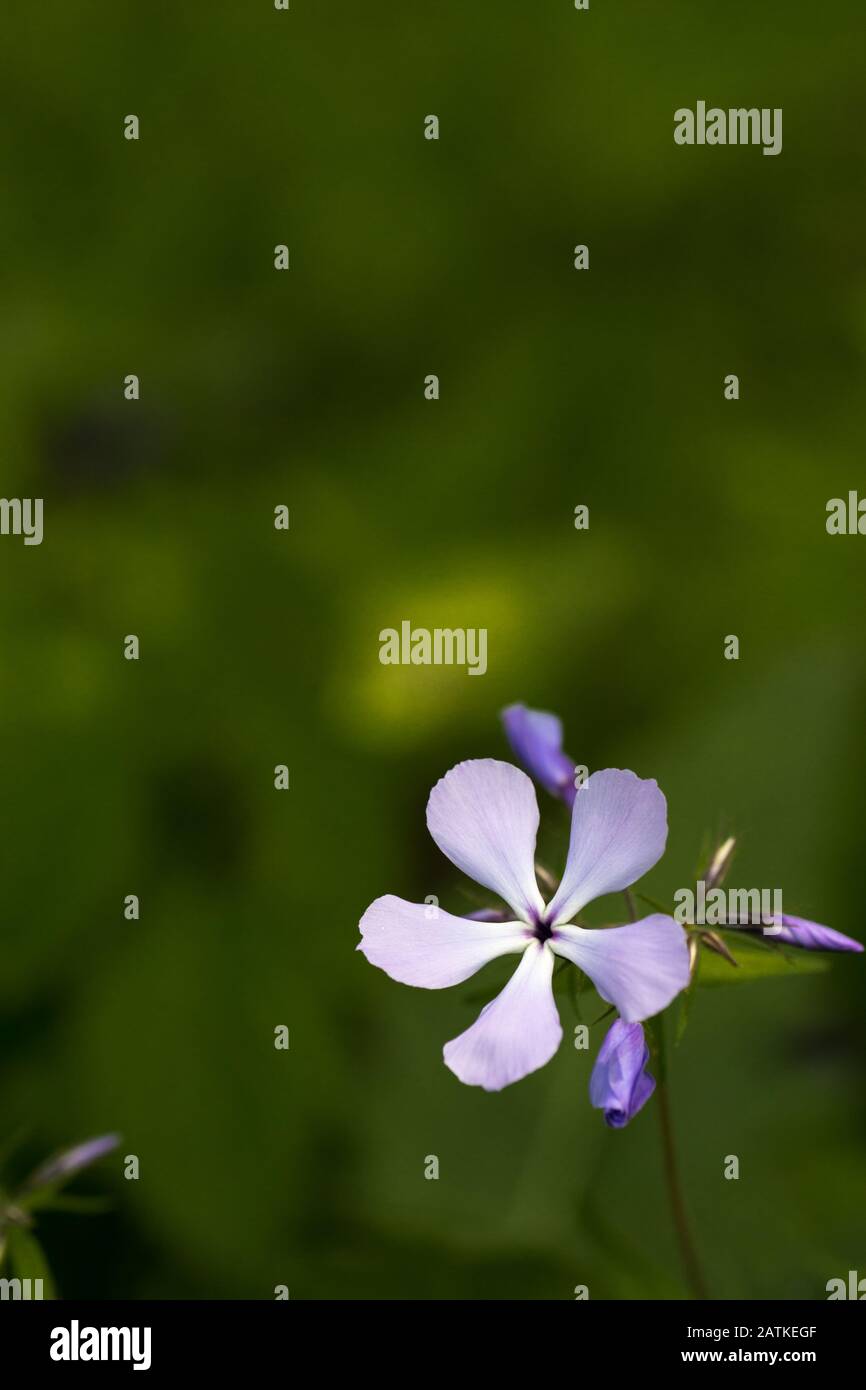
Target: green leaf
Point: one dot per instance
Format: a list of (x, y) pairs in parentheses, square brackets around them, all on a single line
[(83, 1206), (53, 1198), (757, 962), (28, 1261)]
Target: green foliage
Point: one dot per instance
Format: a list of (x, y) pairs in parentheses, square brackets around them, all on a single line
[(26, 1259), (706, 517), (757, 962)]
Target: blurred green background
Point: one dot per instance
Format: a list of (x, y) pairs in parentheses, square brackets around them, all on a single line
[(260, 647)]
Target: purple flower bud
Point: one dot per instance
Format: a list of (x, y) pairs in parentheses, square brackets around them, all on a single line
[(811, 936), (536, 738), (65, 1165), (619, 1085)]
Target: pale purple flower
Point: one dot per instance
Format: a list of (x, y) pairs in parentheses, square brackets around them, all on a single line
[(619, 1084), (484, 816), (536, 738), (811, 936)]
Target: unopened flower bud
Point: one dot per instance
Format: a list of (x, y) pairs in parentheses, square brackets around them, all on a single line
[(619, 1084), (71, 1161), (720, 863)]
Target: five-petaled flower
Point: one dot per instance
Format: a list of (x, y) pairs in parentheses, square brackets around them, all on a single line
[(483, 815)]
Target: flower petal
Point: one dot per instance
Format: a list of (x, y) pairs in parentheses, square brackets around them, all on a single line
[(811, 936), (419, 944), (516, 1033), (639, 968), (619, 1085), (618, 831), (483, 814), (536, 738), (64, 1165)]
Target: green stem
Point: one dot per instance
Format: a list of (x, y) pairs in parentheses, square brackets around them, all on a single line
[(688, 1252)]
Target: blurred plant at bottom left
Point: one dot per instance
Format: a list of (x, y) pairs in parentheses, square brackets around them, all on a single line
[(23, 1265)]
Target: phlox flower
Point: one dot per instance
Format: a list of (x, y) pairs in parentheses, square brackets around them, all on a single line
[(483, 815)]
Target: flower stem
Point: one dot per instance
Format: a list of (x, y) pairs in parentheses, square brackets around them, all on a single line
[(688, 1252)]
